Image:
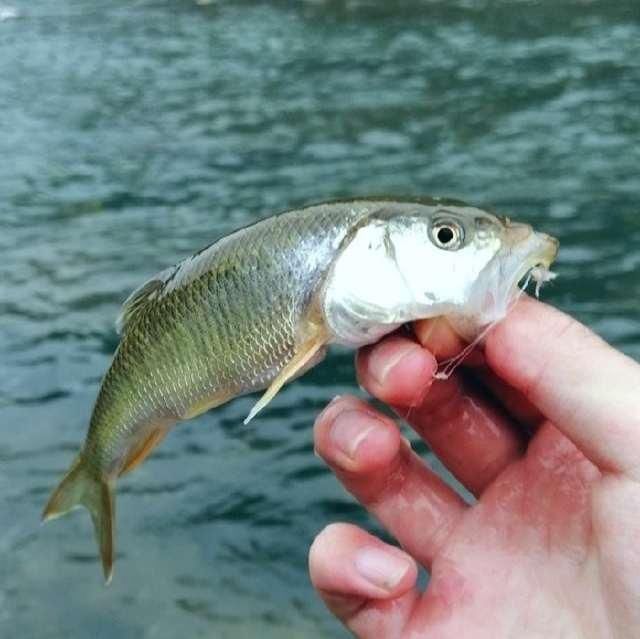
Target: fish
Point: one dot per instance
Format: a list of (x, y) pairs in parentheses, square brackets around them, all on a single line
[(259, 307)]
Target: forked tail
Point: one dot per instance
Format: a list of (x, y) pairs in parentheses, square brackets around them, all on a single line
[(80, 488)]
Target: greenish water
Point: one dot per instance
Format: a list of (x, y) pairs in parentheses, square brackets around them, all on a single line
[(133, 133)]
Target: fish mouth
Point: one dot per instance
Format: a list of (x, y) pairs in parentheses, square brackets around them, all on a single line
[(525, 255), (530, 254)]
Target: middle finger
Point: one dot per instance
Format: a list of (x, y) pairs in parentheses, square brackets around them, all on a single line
[(470, 435), (365, 450)]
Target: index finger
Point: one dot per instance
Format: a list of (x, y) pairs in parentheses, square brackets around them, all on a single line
[(590, 391)]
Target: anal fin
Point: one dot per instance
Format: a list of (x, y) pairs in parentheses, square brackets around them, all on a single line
[(142, 449), (303, 356)]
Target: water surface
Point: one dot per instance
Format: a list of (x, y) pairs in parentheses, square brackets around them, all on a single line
[(133, 133)]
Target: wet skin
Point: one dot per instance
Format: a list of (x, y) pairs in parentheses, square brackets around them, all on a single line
[(543, 427)]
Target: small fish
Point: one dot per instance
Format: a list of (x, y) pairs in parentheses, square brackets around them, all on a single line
[(260, 306)]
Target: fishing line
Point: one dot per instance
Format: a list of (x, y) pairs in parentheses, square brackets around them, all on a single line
[(447, 367)]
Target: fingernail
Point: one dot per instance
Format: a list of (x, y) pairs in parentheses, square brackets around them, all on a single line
[(328, 409), (381, 568), (380, 364), (349, 429)]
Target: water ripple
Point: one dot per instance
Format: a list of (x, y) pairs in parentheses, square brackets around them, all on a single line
[(181, 121)]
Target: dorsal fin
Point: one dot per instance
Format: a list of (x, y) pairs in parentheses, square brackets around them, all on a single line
[(136, 302), (170, 279)]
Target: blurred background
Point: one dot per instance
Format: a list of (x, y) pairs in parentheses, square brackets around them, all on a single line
[(133, 133)]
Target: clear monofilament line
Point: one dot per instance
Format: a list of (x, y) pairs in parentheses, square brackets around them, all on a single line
[(447, 367)]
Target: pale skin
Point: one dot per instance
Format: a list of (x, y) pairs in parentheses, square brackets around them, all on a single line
[(543, 427)]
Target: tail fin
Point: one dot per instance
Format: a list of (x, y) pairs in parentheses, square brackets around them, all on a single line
[(79, 488)]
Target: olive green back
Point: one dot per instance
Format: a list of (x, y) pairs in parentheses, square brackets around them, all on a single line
[(219, 324)]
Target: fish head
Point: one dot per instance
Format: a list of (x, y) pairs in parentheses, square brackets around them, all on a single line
[(466, 264), (416, 260)]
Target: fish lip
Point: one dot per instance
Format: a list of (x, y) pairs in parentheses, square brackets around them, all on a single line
[(539, 258)]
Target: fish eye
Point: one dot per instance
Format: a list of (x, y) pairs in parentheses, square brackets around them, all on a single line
[(447, 235)]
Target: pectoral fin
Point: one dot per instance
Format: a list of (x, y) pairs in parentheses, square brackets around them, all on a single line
[(303, 357)]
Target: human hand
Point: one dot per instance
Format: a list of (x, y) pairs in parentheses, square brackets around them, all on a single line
[(545, 431)]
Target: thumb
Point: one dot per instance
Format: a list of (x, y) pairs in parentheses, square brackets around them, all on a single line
[(590, 391)]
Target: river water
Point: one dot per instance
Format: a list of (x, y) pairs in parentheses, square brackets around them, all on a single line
[(133, 133)]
